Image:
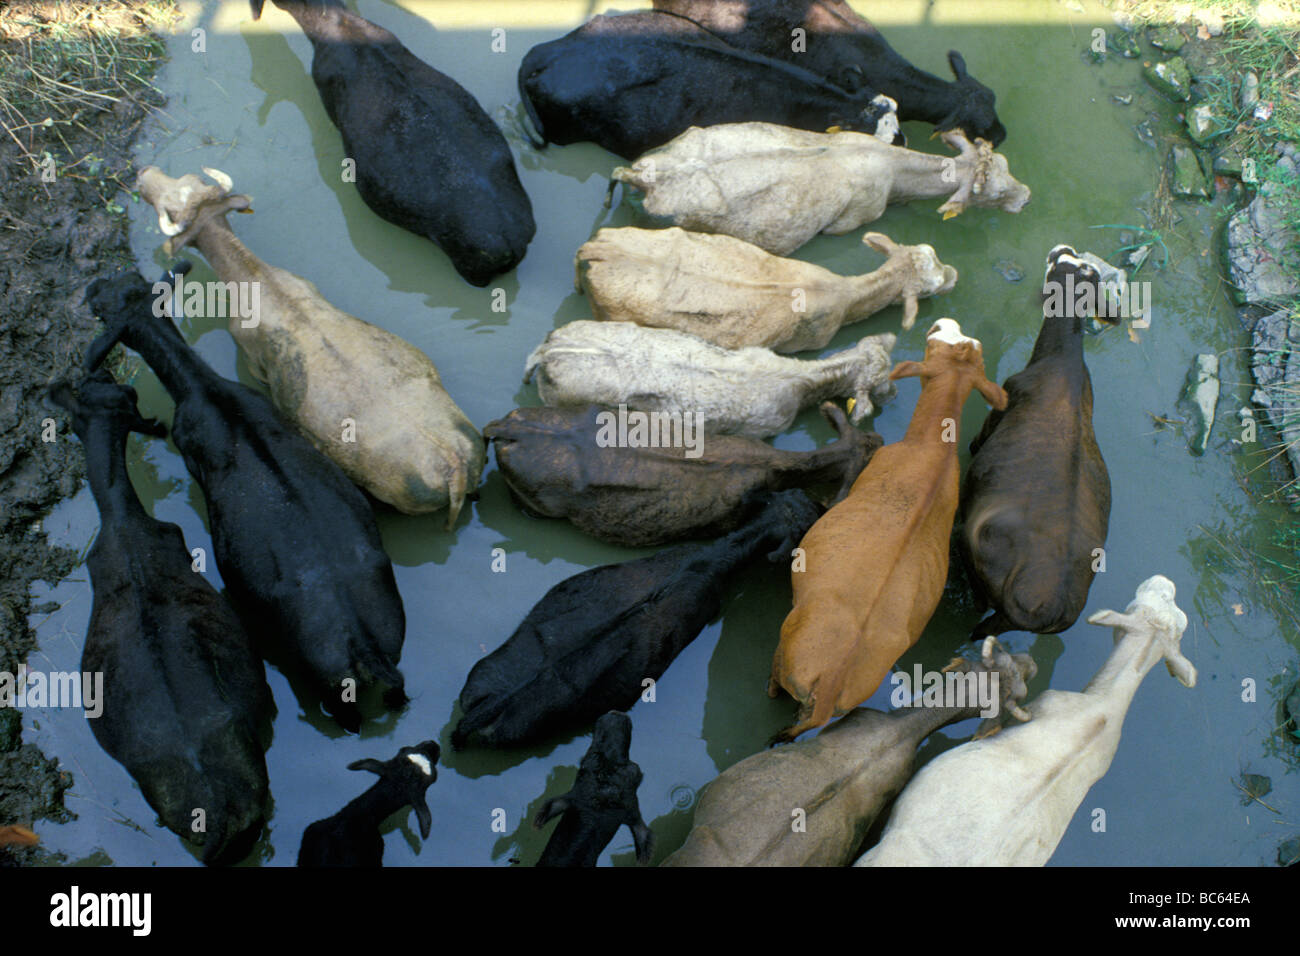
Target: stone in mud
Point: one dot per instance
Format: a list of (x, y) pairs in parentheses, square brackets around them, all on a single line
[(1145, 133), (1204, 125), (1167, 38), (1009, 270), (1200, 398), (1123, 43), (1249, 91), (1212, 21), (1260, 249), (1188, 176), (1291, 711), (1228, 162), (1123, 19), (1288, 853), (1275, 363), (1254, 786), (1171, 78)]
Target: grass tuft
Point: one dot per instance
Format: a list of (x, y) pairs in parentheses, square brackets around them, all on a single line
[(60, 62)]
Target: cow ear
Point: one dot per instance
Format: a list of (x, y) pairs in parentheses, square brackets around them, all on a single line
[(907, 370), (880, 242), (422, 815), (993, 393), (910, 307), (958, 64), (1181, 668), (1112, 619)]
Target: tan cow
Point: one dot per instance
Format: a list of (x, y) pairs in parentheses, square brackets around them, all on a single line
[(369, 400), (875, 564), (732, 293)]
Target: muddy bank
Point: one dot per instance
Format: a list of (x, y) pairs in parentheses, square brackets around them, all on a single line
[(74, 89)]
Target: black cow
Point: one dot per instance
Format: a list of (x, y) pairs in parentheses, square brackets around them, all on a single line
[(588, 646), (185, 704), (295, 540), (603, 798), (351, 837), (1035, 505), (428, 158), (635, 81), (845, 48)]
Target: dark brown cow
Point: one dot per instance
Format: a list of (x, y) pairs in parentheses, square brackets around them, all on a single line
[(556, 465), (1036, 502)]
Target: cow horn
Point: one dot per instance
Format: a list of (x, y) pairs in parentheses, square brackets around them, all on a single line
[(220, 178), (168, 227)]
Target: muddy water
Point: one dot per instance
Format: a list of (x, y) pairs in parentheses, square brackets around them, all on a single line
[(247, 105)]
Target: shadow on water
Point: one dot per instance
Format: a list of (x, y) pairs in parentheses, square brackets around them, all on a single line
[(411, 263), (526, 844), (739, 717)]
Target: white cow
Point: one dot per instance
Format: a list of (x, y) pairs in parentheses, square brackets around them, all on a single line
[(750, 391), (1007, 799), (778, 187)]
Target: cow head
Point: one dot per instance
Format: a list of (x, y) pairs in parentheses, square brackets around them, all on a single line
[(984, 179), (974, 105), (923, 274), (1074, 286), (870, 388), (407, 776), (881, 118), (948, 352), (184, 205), (99, 397), (1153, 614), (611, 737)]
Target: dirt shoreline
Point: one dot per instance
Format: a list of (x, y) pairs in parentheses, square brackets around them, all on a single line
[(64, 156)]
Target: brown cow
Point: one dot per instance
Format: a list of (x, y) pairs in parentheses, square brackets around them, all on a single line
[(876, 563)]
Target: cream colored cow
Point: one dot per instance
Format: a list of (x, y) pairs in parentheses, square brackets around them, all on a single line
[(732, 293), (369, 400)]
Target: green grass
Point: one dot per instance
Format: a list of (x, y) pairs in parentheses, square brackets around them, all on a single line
[(60, 62)]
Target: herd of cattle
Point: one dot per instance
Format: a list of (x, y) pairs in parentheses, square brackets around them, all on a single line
[(750, 145)]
